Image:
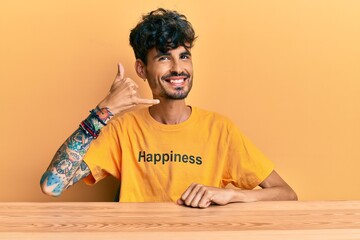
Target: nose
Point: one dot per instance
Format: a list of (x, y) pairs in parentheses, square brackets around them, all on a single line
[(176, 66)]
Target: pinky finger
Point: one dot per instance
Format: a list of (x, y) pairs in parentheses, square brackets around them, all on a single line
[(147, 101), (205, 201)]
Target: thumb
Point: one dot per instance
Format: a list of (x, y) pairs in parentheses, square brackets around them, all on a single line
[(120, 73)]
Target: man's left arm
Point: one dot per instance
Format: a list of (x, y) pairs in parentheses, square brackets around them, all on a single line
[(273, 188)]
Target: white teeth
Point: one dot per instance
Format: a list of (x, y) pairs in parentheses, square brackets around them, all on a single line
[(177, 81)]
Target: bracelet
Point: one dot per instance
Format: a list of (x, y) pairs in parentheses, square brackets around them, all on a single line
[(94, 114), (92, 124), (102, 115), (88, 130)]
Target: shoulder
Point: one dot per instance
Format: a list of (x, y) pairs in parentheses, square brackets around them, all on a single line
[(134, 117), (212, 116), (135, 114), (214, 120)]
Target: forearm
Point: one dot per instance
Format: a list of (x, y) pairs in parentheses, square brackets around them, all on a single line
[(67, 166), (279, 193), (273, 188)]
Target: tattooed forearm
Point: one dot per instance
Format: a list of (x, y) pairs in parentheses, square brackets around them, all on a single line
[(65, 163), (80, 173), (67, 166)]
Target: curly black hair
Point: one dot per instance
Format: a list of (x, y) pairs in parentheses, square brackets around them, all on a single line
[(162, 29)]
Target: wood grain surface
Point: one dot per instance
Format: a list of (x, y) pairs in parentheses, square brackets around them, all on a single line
[(261, 220)]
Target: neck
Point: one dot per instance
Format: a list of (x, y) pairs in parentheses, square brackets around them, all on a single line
[(170, 111)]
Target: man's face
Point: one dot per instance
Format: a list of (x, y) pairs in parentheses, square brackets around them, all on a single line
[(169, 74)]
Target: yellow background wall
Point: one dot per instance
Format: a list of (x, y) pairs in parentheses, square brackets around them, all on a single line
[(287, 72)]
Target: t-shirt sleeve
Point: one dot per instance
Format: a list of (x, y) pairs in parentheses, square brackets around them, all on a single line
[(104, 155), (247, 165)]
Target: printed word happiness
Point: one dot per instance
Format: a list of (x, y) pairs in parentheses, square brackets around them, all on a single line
[(168, 157)]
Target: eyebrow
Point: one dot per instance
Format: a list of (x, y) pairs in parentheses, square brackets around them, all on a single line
[(159, 54), (186, 52)]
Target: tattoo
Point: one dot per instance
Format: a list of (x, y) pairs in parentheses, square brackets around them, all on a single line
[(81, 172), (102, 115), (67, 166), (53, 181), (79, 142), (64, 166), (83, 166)]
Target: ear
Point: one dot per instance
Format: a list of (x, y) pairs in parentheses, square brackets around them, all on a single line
[(140, 68)]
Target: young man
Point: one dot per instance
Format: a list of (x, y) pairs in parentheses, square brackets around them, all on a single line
[(168, 151)]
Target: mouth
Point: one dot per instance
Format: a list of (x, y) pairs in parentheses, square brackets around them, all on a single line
[(176, 81)]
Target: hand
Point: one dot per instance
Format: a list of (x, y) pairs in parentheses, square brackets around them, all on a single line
[(201, 196), (123, 94)]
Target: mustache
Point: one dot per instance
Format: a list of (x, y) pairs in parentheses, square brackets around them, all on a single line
[(174, 74)]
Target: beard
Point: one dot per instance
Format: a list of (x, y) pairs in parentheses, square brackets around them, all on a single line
[(179, 94)]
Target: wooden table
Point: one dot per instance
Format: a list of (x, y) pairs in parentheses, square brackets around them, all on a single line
[(262, 220)]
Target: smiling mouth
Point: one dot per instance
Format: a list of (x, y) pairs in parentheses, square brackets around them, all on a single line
[(175, 81), (176, 78)]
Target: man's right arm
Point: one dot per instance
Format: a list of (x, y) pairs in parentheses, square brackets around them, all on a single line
[(67, 166), (64, 164)]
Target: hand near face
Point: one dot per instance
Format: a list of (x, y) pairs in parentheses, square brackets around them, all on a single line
[(201, 196), (123, 94)]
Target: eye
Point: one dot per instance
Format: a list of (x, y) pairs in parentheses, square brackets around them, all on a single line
[(185, 56), (163, 58)]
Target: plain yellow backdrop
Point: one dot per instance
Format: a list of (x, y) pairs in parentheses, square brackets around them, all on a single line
[(287, 72)]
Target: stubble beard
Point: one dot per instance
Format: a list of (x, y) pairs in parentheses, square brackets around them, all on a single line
[(180, 93)]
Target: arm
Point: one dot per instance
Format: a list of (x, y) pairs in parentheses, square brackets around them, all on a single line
[(67, 167), (274, 188)]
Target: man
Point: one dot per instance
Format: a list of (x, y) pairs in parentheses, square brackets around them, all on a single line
[(168, 151)]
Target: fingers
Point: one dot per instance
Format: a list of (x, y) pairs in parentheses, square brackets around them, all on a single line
[(137, 100), (187, 192), (131, 83), (196, 195), (147, 101), (200, 197), (206, 200), (191, 193), (123, 94)]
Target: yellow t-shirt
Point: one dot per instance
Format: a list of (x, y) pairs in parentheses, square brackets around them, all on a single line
[(156, 162)]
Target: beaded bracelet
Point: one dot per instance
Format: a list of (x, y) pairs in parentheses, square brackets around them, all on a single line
[(88, 130), (93, 113), (100, 115), (88, 124)]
